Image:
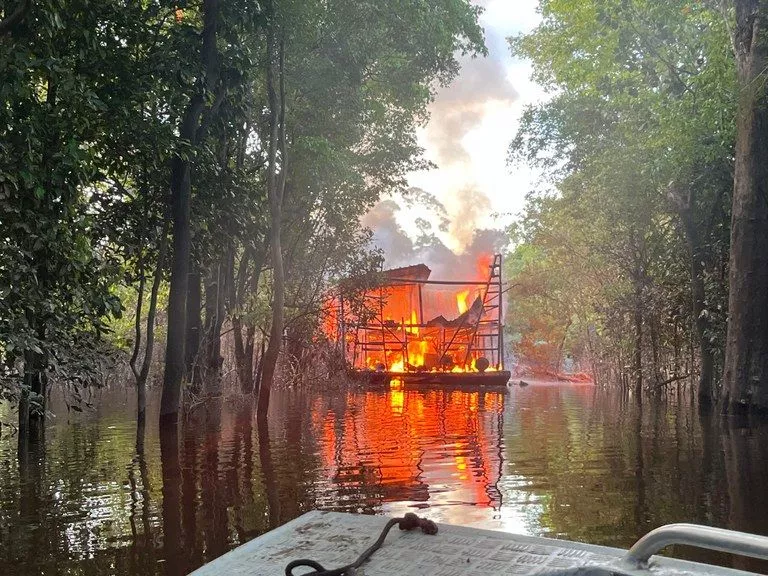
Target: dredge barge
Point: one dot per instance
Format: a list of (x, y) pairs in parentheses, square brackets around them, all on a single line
[(400, 327)]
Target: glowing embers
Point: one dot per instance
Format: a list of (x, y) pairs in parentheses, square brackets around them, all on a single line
[(417, 362)]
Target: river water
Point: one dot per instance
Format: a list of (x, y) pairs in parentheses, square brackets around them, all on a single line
[(562, 461)]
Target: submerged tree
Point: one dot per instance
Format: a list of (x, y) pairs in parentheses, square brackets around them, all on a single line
[(637, 139), (746, 352), (205, 144)]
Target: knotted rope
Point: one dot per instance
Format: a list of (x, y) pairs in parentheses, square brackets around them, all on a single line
[(408, 522)]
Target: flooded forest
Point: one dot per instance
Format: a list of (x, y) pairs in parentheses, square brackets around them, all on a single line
[(255, 261)]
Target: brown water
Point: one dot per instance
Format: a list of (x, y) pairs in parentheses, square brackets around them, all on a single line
[(560, 461)]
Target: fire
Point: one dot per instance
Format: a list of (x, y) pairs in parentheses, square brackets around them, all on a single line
[(417, 352), (413, 329), (412, 324), (462, 301), (483, 265)]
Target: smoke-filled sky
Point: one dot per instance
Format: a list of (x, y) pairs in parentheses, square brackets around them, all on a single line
[(472, 123)]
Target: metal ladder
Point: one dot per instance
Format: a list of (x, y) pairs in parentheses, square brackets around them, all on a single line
[(484, 341)]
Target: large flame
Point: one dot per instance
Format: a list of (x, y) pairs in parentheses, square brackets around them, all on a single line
[(415, 328), (462, 301)]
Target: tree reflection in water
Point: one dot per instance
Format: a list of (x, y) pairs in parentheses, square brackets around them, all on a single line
[(564, 461)]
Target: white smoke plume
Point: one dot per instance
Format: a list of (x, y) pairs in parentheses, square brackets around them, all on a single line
[(400, 250), (471, 205), (460, 107), (457, 202)]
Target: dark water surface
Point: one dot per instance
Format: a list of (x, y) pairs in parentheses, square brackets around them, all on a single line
[(554, 460)]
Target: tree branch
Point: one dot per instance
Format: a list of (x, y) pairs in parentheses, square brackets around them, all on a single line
[(671, 380)]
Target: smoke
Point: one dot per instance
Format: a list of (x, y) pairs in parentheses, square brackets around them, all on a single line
[(471, 205), (400, 250), (388, 235), (458, 110), (460, 107), (458, 202)]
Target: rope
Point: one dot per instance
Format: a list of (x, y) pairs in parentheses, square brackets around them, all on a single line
[(408, 522)]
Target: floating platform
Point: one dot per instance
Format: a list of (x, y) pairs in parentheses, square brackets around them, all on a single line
[(450, 379), (334, 540)]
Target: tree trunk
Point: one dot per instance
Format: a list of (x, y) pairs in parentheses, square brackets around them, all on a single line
[(35, 388), (698, 293), (177, 298), (745, 377), (214, 319), (194, 326), (141, 374), (655, 364), (275, 187), (637, 364), (259, 360), (180, 214), (246, 284)]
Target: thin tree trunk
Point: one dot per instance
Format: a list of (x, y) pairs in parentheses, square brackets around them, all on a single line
[(653, 333), (36, 383), (139, 310), (194, 326), (275, 187), (149, 350), (684, 206), (245, 284), (214, 319), (637, 364), (745, 377), (257, 373), (36, 364), (236, 289), (142, 374), (180, 214), (592, 356)]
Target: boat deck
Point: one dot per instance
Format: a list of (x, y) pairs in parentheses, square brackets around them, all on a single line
[(336, 539), (450, 379)]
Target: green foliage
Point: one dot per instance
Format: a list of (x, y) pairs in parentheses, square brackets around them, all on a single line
[(637, 138), (92, 100)]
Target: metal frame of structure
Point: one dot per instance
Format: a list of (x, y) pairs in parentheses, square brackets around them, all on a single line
[(387, 337)]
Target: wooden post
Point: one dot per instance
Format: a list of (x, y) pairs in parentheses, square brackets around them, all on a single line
[(500, 364), (342, 328), (421, 308), (383, 330), (406, 360)]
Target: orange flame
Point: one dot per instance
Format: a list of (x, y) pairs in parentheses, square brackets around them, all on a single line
[(417, 352), (413, 329), (462, 301)]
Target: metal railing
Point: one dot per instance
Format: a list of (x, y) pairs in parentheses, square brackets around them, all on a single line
[(719, 539)]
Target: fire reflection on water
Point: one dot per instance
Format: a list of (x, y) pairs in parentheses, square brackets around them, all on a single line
[(417, 448)]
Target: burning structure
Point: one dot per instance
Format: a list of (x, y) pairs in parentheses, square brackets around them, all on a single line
[(400, 325)]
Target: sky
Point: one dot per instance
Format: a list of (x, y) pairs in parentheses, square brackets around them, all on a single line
[(471, 125)]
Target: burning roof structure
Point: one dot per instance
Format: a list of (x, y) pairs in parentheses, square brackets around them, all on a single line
[(401, 323)]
